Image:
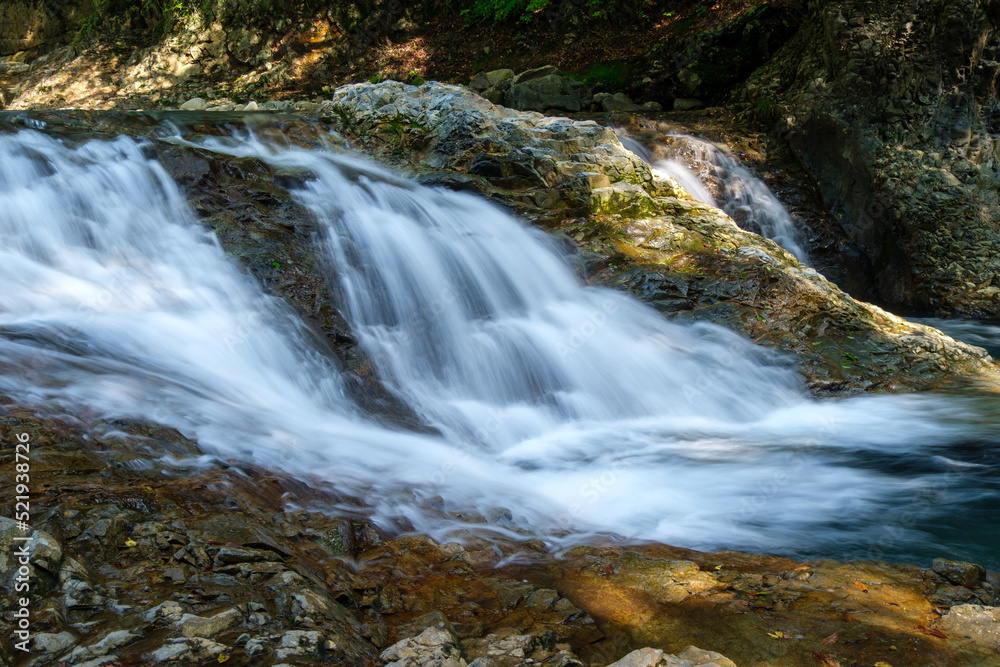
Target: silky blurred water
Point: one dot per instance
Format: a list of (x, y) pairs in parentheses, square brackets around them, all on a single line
[(745, 198), (577, 410)]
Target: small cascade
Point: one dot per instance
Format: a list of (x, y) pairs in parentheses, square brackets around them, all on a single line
[(702, 168), (580, 411)]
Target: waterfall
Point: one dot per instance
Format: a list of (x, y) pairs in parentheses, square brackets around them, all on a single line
[(577, 410), (745, 198)]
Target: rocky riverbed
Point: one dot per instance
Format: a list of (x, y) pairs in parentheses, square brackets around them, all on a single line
[(208, 562)]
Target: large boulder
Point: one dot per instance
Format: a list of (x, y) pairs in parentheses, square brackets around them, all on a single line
[(650, 237), (547, 88), (39, 24)]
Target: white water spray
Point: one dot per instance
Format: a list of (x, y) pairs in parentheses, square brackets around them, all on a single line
[(579, 410), (693, 162)]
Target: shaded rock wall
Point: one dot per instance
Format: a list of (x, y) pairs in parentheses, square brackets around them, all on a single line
[(894, 110), (38, 24)]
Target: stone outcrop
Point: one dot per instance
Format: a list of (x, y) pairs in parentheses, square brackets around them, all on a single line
[(895, 113), (38, 25), (642, 233), (547, 88)]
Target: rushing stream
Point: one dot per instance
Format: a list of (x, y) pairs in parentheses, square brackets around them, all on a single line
[(744, 197), (576, 410)]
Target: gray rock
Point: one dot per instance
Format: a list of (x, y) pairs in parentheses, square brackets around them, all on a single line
[(194, 104), (685, 104), (552, 91), (44, 552), (8, 67), (486, 80), (251, 106), (652, 106), (185, 651), (231, 555), (697, 656), (960, 573), (111, 642), (434, 647), (299, 643), (949, 596), (537, 73), (619, 102), (51, 643), (211, 626), (643, 657), (169, 611), (975, 622), (97, 662)]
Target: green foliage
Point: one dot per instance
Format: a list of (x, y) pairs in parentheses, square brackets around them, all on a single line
[(608, 75), (502, 10)]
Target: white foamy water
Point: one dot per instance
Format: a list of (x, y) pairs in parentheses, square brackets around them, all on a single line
[(745, 198), (579, 410)]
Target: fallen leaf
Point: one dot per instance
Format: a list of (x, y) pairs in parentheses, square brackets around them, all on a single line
[(824, 659), (882, 663), (718, 567), (801, 567), (225, 654), (831, 640), (864, 589), (777, 634), (932, 632), (130, 543), (847, 616), (611, 568)]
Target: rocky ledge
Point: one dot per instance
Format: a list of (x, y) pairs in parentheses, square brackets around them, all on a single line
[(133, 564), (642, 233)]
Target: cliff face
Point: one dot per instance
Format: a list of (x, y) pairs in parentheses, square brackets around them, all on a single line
[(38, 25), (894, 110)]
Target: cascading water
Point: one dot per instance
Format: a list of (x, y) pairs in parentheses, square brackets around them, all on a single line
[(577, 409), (743, 196)]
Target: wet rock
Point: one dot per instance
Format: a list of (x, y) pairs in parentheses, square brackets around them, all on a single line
[(230, 555), (165, 612), (337, 539), (978, 623), (98, 662), (434, 647), (509, 651), (299, 643), (49, 643), (111, 642), (960, 573), (190, 625), (948, 596), (77, 586), (43, 552), (434, 619), (185, 651)]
